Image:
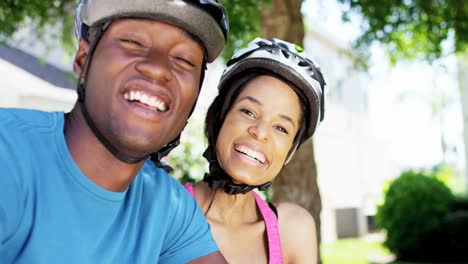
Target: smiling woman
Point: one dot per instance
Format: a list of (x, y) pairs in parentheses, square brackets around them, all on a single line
[(258, 131), (270, 101)]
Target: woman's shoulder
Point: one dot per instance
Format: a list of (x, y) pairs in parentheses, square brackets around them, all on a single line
[(293, 214), (298, 233)]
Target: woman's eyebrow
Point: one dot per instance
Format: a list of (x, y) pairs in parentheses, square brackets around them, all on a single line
[(255, 101)]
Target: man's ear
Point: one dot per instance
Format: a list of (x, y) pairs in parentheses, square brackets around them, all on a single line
[(80, 57)]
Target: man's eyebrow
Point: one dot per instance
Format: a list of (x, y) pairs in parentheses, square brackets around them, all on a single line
[(257, 102), (194, 38)]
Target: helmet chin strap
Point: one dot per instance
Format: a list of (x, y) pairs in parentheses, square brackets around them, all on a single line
[(218, 178), (115, 152)]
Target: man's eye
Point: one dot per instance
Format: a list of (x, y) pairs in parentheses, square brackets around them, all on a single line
[(132, 42), (185, 61), (247, 112)]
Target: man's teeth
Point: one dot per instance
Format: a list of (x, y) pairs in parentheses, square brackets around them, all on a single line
[(145, 99), (252, 154)]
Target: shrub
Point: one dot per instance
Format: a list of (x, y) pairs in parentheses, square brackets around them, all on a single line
[(412, 212), (455, 229), (460, 204)]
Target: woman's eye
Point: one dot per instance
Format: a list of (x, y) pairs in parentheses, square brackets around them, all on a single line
[(247, 112), (282, 129)]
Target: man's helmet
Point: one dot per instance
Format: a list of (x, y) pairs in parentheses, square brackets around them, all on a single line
[(206, 19)]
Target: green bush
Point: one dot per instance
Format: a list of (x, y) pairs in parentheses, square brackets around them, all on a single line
[(460, 204), (455, 231), (412, 212)]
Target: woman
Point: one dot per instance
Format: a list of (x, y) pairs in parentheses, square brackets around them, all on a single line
[(270, 101)]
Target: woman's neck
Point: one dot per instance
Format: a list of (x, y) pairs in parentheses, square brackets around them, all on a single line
[(224, 208)]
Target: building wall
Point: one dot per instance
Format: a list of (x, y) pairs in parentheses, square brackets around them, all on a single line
[(20, 89), (352, 162)]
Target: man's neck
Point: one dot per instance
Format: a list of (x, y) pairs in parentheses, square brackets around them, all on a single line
[(93, 159)]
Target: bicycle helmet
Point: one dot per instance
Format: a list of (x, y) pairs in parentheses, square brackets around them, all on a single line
[(205, 19), (283, 60)]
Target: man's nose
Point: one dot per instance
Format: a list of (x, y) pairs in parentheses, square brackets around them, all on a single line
[(156, 67)]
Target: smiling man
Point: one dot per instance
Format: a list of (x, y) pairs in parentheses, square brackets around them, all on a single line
[(88, 186)]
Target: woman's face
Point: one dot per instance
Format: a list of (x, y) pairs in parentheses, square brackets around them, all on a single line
[(259, 131)]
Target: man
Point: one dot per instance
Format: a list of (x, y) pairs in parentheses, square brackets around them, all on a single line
[(80, 187)]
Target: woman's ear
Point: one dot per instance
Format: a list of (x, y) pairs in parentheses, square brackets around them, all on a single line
[(80, 57)]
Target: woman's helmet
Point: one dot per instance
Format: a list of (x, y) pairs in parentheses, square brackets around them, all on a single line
[(279, 59), (289, 62), (205, 19)]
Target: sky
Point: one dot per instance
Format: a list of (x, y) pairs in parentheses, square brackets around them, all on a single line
[(400, 97)]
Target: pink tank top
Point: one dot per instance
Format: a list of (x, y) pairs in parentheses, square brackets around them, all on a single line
[(275, 254)]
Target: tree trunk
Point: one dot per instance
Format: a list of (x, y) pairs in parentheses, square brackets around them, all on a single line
[(462, 61), (297, 182)]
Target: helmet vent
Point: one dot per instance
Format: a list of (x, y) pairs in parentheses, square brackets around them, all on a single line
[(261, 43)]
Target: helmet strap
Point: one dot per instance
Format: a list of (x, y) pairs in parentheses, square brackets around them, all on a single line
[(81, 98), (218, 178)]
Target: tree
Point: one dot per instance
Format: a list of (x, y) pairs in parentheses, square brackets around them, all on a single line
[(418, 30), (297, 181), (14, 15)]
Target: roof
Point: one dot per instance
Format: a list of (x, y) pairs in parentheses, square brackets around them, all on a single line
[(36, 67)]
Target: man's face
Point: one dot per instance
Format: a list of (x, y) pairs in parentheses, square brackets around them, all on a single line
[(142, 84)]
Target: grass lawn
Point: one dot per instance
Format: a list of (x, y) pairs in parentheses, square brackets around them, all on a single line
[(353, 251)]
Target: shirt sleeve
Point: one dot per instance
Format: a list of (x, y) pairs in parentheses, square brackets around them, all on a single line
[(190, 236)]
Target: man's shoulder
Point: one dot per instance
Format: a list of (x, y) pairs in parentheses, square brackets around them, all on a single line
[(25, 119), (152, 174), (159, 181)]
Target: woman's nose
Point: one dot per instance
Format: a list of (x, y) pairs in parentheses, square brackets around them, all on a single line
[(259, 131)]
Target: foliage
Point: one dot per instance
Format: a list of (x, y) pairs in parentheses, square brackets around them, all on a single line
[(244, 20), (412, 29), (460, 203), (448, 175), (187, 159), (412, 212), (455, 228), (15, 14)]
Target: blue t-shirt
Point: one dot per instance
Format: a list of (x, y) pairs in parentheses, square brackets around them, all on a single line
[(50, 212)]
